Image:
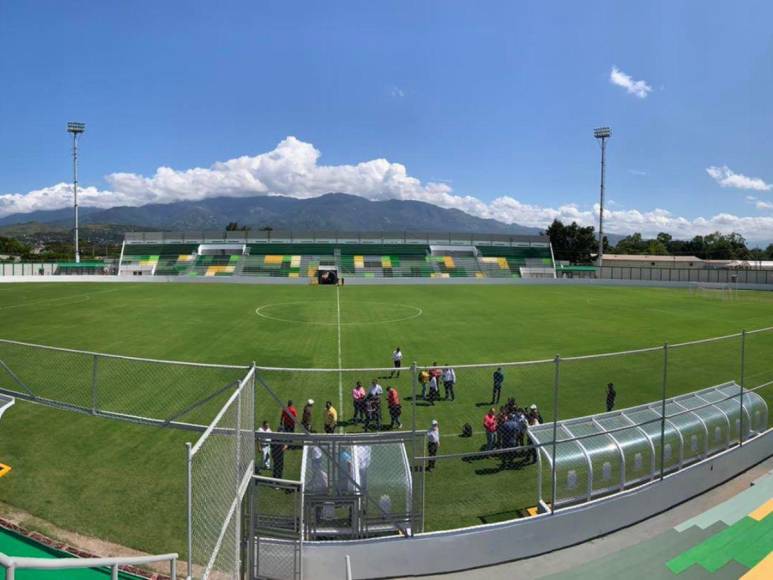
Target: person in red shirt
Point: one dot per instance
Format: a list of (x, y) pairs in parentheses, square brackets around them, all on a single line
[(289, 418), (393, 401), (490, 425)]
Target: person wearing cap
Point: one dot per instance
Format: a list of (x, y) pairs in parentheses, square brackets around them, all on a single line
[(433, 443), (535, 415), (306, 417), (331, 417), (611, 396), (490, 426)]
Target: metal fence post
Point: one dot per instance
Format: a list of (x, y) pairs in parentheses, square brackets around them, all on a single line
[(189, 461), (238, 511), (663, 413), (743, 378), (414, 379), (94, 385), (414, 463), (556, 381)]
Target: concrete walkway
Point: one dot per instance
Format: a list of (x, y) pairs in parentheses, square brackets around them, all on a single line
[(569, 558)]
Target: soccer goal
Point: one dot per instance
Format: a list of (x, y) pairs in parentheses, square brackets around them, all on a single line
[(723, 292)]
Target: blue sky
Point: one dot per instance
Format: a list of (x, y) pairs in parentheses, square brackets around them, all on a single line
[(484, 106)]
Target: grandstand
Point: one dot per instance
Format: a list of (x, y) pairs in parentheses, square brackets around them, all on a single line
[(293, 255)]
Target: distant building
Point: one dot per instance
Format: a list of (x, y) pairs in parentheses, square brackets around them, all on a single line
[(652, 261)]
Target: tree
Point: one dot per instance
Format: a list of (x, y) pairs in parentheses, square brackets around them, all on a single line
[(572, 243), (234, 227)]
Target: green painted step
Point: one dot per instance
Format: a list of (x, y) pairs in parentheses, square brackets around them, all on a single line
[(650, 556), (736, 507), (726, 545)]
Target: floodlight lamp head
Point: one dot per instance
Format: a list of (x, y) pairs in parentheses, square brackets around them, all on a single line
[(602, 133), (75, 128)]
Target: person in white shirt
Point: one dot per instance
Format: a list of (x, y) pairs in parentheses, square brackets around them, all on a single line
[(449, 380), (433, 443), (397, 361), (264, 444), (434, 390), (375, 389)]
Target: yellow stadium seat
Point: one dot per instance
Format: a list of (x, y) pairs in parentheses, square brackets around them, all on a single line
[(449, 262), (273, 259)]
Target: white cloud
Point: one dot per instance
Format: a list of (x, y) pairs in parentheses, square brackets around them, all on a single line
[(637, 172), (726, 177), (763, 205), (639, 88), (292, 169), (397, 92)]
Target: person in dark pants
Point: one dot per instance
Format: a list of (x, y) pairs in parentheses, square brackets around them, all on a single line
[(449, 380), (611, 396), (499, 378), (507, 434), (278, 449), (433, 443), (397, 361), (289, 418), (395, 410)]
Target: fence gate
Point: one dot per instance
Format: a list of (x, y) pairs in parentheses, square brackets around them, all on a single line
[(275, 512)]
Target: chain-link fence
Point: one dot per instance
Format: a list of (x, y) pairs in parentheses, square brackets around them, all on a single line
[(128, 388), (622, 419), (220, 466)]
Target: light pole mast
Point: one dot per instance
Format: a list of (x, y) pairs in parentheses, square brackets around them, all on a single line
[(76, 129), (602, 133)]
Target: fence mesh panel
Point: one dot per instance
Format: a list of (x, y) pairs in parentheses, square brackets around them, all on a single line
[(133, 388), (221, 463)]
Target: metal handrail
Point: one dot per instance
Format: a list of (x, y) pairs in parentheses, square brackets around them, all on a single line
[(12, 563)]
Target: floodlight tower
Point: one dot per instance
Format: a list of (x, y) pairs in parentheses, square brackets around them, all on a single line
[(602, 133), (76, 129)]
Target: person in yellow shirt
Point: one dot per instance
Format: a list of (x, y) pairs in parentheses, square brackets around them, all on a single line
[(331, 417)]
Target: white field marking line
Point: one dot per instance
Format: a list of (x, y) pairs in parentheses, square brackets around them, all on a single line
[(417, 312), (46, 300), (340, 358)]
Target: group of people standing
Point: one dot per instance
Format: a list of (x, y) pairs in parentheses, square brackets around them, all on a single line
[(430, 380), (367, 405), (509, 427)]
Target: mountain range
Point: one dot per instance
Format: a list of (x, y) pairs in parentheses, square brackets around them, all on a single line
[(332, 212)]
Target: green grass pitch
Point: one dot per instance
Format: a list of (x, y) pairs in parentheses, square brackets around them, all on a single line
[(125, 483)]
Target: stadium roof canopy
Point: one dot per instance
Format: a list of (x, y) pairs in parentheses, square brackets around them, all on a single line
[(333, 237)]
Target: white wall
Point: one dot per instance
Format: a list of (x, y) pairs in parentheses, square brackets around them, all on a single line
[(442, 552)]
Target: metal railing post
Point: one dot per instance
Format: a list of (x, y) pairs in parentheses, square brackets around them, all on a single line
[(188, 446), (238, 512), (94, 384), (663, 413), (743, 378), (414, 465), (556, 381), (173, 569)]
